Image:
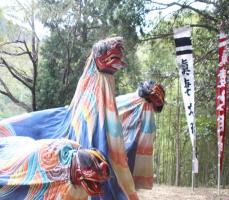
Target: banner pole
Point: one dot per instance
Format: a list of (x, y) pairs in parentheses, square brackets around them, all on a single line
[(218, 173), (193, 174), (193, 159)]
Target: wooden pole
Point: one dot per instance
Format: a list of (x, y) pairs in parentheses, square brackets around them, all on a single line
[(218, 172)]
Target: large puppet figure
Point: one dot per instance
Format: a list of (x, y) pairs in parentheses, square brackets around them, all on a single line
[(136, 113), (95, 118), (49, 169), (91, 119)]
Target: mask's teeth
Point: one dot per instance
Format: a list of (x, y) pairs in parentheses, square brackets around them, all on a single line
[(117, 66)]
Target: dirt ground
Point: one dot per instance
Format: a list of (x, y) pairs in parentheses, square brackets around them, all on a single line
[(163, 192)]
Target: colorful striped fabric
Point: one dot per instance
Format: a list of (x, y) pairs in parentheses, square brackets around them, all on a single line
[(137, 123), (37, 169), (96, 123), (50, 123), (139, 129), (92, 120)]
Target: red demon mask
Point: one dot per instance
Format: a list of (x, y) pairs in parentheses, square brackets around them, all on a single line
[(108, 55), (89, 169), (157, 97), (153, 93)]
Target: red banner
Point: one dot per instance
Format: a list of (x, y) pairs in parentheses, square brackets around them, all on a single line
[(221, 91)]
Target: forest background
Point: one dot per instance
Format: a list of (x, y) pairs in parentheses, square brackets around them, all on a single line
[(44, 45)]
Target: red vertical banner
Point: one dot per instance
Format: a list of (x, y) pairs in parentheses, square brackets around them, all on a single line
[(221, 91)]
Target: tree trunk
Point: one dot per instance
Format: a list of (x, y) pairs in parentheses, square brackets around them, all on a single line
[(34, 58)]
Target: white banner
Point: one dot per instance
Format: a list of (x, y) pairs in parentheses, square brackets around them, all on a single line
[(184, 59)]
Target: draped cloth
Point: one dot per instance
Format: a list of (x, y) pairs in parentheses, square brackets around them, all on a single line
[(91, 120), (37, 169), (96, 124), (50, 123), (139, 129)]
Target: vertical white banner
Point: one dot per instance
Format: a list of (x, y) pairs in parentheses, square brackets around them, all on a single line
[(184, 59)]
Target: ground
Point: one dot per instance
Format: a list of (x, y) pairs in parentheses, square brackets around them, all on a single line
[(162, 192)]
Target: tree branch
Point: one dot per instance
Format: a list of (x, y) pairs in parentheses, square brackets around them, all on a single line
[(15, 73), (13, 42), (159, 36), (185, 6), (170, 34), (205, 56), (13, 54), (33, 60), (207, 2), (13, 98), (210, 28)]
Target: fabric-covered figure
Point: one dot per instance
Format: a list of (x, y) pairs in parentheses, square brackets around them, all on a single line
[(95, 118), (91, 119), (49, 169), (136, 113)]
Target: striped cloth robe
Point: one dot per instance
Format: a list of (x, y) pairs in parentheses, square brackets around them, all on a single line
[(92, 120), (139, 129)]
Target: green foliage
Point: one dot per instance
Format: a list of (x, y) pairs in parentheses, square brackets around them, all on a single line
[(58, 75), (205, 53), (75, 26)]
